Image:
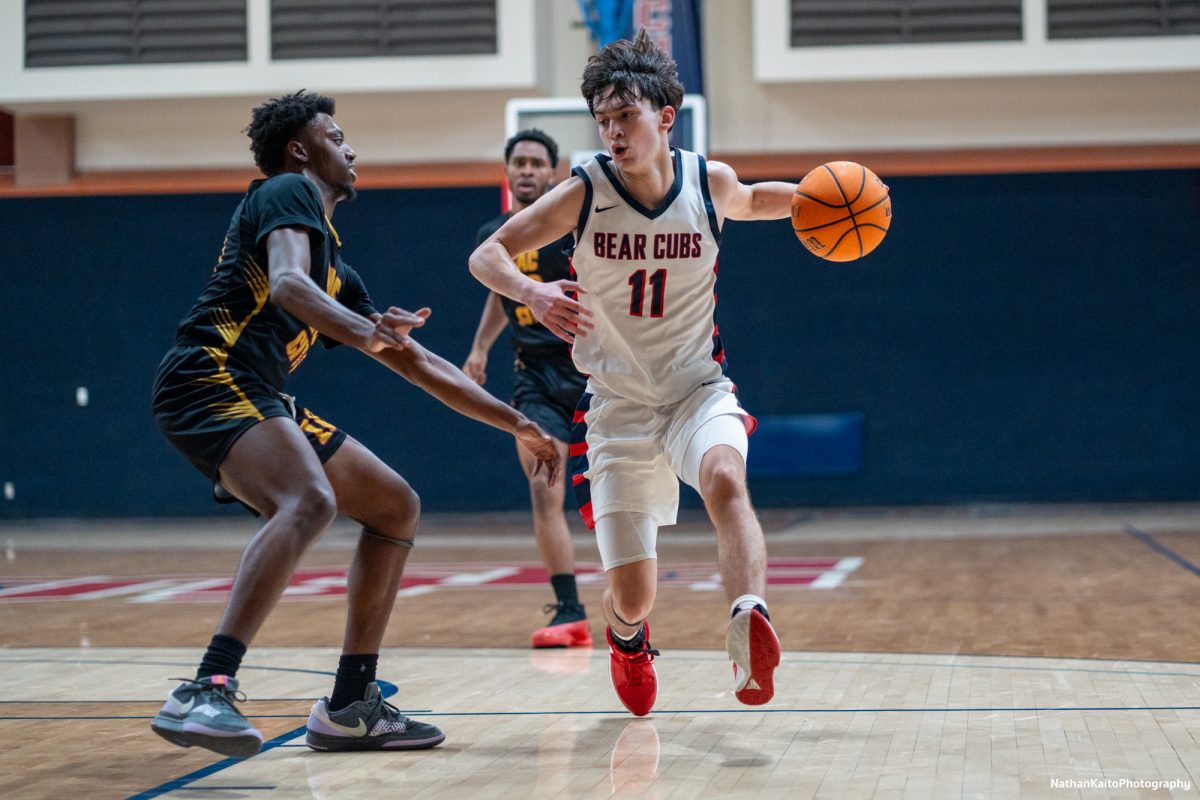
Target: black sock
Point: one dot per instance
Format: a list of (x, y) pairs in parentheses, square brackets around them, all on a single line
[(353, 674), (634, 644), (564, 588), (223, 657)]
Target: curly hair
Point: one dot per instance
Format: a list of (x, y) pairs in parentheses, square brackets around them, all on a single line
[(532, 135), (278, 121), (629, 70)]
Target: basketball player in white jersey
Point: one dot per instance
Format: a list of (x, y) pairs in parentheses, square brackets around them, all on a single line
[(658, 408)]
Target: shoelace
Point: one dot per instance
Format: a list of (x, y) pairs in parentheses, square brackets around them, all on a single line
[(392, 714), (224, 691), (641, 653), (633, 673), (551, 608)]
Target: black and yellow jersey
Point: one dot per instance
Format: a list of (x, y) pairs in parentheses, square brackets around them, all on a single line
[(234, 321), (547, 264)]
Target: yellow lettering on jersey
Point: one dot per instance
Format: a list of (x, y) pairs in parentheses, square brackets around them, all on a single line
[(297, 350), (524, 316), (318, 427), (527, 262), (333, 284)]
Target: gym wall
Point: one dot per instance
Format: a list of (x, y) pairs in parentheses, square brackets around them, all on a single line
[(1020, 337)]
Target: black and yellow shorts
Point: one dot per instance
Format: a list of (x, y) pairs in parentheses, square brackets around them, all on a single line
[(546, 387), (203, 407)]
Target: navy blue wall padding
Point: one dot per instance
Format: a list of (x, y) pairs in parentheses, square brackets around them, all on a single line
[(1015, 337), (798, 445)]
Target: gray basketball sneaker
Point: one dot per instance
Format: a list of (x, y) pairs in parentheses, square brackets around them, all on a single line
[(368, 724), (201, 713)]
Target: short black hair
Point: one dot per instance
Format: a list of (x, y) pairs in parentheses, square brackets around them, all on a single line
[(532, 135), (278, 121), (630, 70)]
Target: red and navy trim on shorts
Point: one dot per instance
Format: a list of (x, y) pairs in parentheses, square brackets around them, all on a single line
[(577, 461)]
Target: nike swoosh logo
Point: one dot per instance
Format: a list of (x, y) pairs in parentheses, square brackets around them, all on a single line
[(358, 730), (180, 708), (606, 208)]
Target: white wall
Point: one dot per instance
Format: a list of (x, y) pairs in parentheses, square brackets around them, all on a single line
[(745, 116), (749, 117)]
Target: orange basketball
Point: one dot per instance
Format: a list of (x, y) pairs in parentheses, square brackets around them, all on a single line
[(841, 211)]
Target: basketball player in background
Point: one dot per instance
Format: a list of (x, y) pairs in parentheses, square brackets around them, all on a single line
[(647, 225), (279, 287), (546, 386)]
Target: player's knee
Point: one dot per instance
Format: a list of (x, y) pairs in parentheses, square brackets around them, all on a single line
[(723, 481), (398, 517), (313, 510), (633, 606), (408, 509), (543, 496)]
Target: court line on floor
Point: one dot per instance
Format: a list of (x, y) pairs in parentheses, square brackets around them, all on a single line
[(385, 688), (1162, 549), (789, 657), (690, 711), (284, 739), (127, 662), (212, 769)]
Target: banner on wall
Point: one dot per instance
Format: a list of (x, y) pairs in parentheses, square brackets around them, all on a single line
[(673, 25)]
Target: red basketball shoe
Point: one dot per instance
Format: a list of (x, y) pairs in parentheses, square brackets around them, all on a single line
[(569, 628), (753, 648), (633, 674)]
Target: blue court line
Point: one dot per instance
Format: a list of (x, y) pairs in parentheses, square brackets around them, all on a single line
[(385, 688), (211, 769), (1162, 549)]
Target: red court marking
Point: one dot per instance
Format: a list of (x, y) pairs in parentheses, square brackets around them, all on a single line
[(816, 573)]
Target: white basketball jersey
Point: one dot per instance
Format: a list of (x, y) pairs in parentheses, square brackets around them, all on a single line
[(649, 277)]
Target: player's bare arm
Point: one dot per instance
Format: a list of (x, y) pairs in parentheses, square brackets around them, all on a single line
[(491, 322), (447, 383), (441, 379), (736, 200), (294, 291), (550, 218)]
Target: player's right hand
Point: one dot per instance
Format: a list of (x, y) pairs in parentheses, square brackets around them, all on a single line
[(475, 367), (541, 446), (392, 328), (563, 315)]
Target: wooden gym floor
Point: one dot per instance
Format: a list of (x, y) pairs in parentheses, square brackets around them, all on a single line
[(983, 651)]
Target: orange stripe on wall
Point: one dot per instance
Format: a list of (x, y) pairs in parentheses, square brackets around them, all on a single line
[(784, 166)]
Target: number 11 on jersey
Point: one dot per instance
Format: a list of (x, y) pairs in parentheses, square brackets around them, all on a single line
[(637, 295)]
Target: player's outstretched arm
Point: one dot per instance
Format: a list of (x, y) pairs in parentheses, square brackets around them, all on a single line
[(736, 200), (294, 291), (553, 216), (491, 322), (447, 383)]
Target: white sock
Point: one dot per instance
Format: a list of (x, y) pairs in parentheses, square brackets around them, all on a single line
[(631, 636), (746, 601)]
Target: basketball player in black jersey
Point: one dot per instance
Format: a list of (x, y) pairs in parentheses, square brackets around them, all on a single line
[(546, 385), (279, 287)]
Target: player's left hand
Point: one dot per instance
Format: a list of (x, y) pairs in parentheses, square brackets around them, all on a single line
[(397, 324), (539, 444)]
